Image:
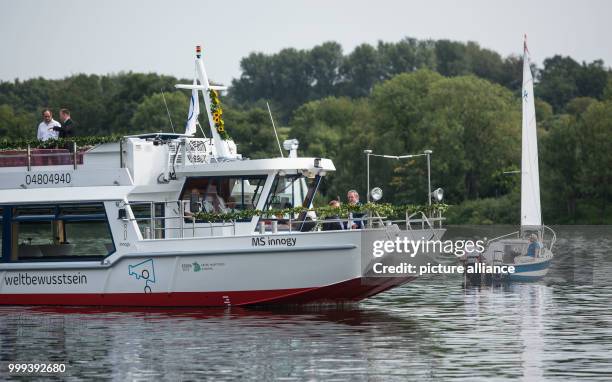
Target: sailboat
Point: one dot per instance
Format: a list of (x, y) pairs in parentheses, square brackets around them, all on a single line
[(528, 250)]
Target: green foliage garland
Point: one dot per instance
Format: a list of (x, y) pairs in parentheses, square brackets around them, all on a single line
[(380, 209), (22, 144)]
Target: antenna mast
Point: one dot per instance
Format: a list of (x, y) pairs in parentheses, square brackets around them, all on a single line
[(275, 133), (167, 110)]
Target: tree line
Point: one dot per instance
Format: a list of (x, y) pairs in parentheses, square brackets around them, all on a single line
[(457, 99)]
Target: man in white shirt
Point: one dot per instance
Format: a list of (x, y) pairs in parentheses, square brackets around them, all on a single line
[(45, 128)]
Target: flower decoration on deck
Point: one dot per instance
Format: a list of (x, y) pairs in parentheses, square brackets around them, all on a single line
[(373, 209), (217, 113)]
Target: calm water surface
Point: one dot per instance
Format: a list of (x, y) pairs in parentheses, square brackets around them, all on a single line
[(433, 329)]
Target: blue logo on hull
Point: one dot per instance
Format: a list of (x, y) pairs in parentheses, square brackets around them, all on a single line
[(143, 271)]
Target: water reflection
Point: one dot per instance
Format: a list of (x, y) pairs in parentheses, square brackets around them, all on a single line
[(433, 329), (149, 343)]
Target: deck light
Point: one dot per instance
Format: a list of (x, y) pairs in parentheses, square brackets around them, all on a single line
[(291, 145), (438, 195), (376, 194)]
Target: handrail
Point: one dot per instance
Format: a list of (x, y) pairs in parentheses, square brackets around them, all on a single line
[(544, 228), (424, 219), (502, 236), (554, 238)]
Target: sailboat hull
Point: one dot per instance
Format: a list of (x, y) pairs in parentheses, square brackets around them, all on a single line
[(530, 272)]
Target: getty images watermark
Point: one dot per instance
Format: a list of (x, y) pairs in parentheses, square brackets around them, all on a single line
[(393, 258), (411, 247)]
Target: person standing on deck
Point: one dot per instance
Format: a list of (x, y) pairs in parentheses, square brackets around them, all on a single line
[(45, 128), (67, 129)]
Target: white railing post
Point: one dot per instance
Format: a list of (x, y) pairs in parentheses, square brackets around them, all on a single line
[(181, 218), (152, 208), (74, 154), (29, 158)]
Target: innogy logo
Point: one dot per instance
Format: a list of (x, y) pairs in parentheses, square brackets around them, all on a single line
[(145, 271)]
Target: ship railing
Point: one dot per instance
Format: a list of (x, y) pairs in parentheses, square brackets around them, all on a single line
[(419, 218), (153, 227), (30, 157), (290, 224), (156, 224), (542, 230)]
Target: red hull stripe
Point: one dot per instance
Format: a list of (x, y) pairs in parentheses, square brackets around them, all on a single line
[(351, 290)]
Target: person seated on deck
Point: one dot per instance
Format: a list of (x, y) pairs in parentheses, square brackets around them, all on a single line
[(334, 225), (231, 205), (533, 249), (193, 205), (212, 202)]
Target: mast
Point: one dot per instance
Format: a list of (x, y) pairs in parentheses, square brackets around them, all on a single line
[(201, 76), (531, 212)]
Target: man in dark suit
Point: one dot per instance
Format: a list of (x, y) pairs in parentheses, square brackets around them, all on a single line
[(66, 130)]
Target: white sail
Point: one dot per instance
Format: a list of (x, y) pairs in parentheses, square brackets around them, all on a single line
[(531, 213)]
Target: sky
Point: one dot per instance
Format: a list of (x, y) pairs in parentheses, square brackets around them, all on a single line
[(58, 38)]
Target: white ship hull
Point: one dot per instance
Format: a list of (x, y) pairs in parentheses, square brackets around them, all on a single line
[(282, 269)]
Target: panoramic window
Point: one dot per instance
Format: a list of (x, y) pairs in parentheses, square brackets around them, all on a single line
[(59, 232), (1, 230)]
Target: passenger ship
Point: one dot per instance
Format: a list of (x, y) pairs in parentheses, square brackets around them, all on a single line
[(111, 226)]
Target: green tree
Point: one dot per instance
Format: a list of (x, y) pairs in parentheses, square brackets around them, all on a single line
[(339, 129), (16, 125), (561, 169), (595, 131), (83, 96), (151, 114), (324, 63), (127, 92), (407, 55), (252, 131), (360, 71)]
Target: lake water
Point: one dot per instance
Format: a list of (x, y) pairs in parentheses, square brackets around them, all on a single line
[(432, 329)]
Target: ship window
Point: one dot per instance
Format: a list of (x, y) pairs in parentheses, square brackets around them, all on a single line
[(222, 194), (291, 191), (60, 232), (149, 227), (1, 231)]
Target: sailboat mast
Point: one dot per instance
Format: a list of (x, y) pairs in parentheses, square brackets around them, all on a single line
[(531, 212)]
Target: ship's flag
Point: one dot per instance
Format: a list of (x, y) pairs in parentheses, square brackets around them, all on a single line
[(194, 112)]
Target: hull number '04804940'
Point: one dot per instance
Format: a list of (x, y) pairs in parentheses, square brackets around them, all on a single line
[(48, 178)]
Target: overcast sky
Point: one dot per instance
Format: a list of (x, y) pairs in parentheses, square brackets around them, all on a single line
[(57, 38)]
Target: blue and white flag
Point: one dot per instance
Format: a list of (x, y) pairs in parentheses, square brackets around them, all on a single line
[(194, 112)]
